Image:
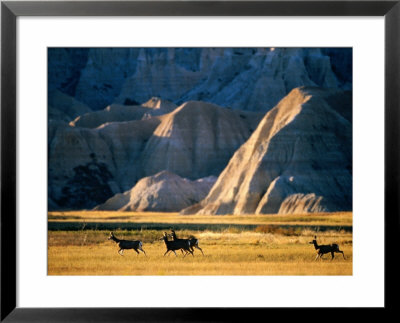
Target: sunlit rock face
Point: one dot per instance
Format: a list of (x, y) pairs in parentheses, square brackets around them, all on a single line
[(164, 191), (299, 160), (197, 140), (241, 78)]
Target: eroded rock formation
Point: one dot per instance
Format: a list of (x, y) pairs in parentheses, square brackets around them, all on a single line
[(164, 192), (195, 140), (119, 113), (298, 159), (252, 79)]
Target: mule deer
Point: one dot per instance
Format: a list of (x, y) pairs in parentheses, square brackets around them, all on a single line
[(193, 242), (323, 249), (127, 244), (176, 245)]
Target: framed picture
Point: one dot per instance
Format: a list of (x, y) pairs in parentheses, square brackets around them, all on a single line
[(255, 68)]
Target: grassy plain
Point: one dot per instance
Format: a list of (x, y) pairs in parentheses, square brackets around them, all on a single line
[(336, 218), (232, 245)]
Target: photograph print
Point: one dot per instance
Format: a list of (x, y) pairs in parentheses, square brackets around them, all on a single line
[(200, 161)]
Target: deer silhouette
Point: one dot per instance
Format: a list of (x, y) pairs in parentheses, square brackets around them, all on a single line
[(176, 245), (193, 242), (127, 244), (323, 249)]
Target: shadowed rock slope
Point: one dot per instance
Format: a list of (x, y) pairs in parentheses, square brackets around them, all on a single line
[(88, 166), (253, 79), (117, 113), (164, 192), (298, 160), (64, 107)]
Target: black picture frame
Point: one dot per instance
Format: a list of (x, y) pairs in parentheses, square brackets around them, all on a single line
[(10, 10)]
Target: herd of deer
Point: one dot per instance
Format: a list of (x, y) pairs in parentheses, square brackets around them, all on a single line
[(187, 245)]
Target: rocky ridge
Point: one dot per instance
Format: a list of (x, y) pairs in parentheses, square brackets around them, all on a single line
[(162, 192), (252, 79), (196, 140), (298, 160), (119, 113)]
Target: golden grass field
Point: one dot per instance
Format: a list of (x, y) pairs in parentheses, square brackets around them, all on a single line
[(232, 245)]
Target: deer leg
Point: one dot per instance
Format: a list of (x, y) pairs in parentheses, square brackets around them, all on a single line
[(200, 249), (333, 255), (136, 252), (175, 253), (342, 253), (316, 257), (143, 251), (166, 252), (187, 251), (119, 251)]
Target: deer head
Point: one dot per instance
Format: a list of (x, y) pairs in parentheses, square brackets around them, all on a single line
[(315, 240), (111, 236)]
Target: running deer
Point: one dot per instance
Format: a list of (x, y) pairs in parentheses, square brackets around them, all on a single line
[(127, 244), (323, 249), (176, 245), (193, 242)]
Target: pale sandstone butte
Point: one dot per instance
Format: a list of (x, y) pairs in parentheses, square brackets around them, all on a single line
[(299, 159), (165, 191), (197, 140)]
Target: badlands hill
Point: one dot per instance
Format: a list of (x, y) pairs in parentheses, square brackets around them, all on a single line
[(164, 192), (118, 113), (87, 166), (253, 79), (197, 140), (299, 159)]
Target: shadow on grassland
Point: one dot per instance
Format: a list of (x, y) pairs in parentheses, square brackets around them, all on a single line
[(219, 227)]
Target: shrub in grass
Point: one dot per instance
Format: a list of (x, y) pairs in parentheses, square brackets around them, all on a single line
[(273, 229)]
